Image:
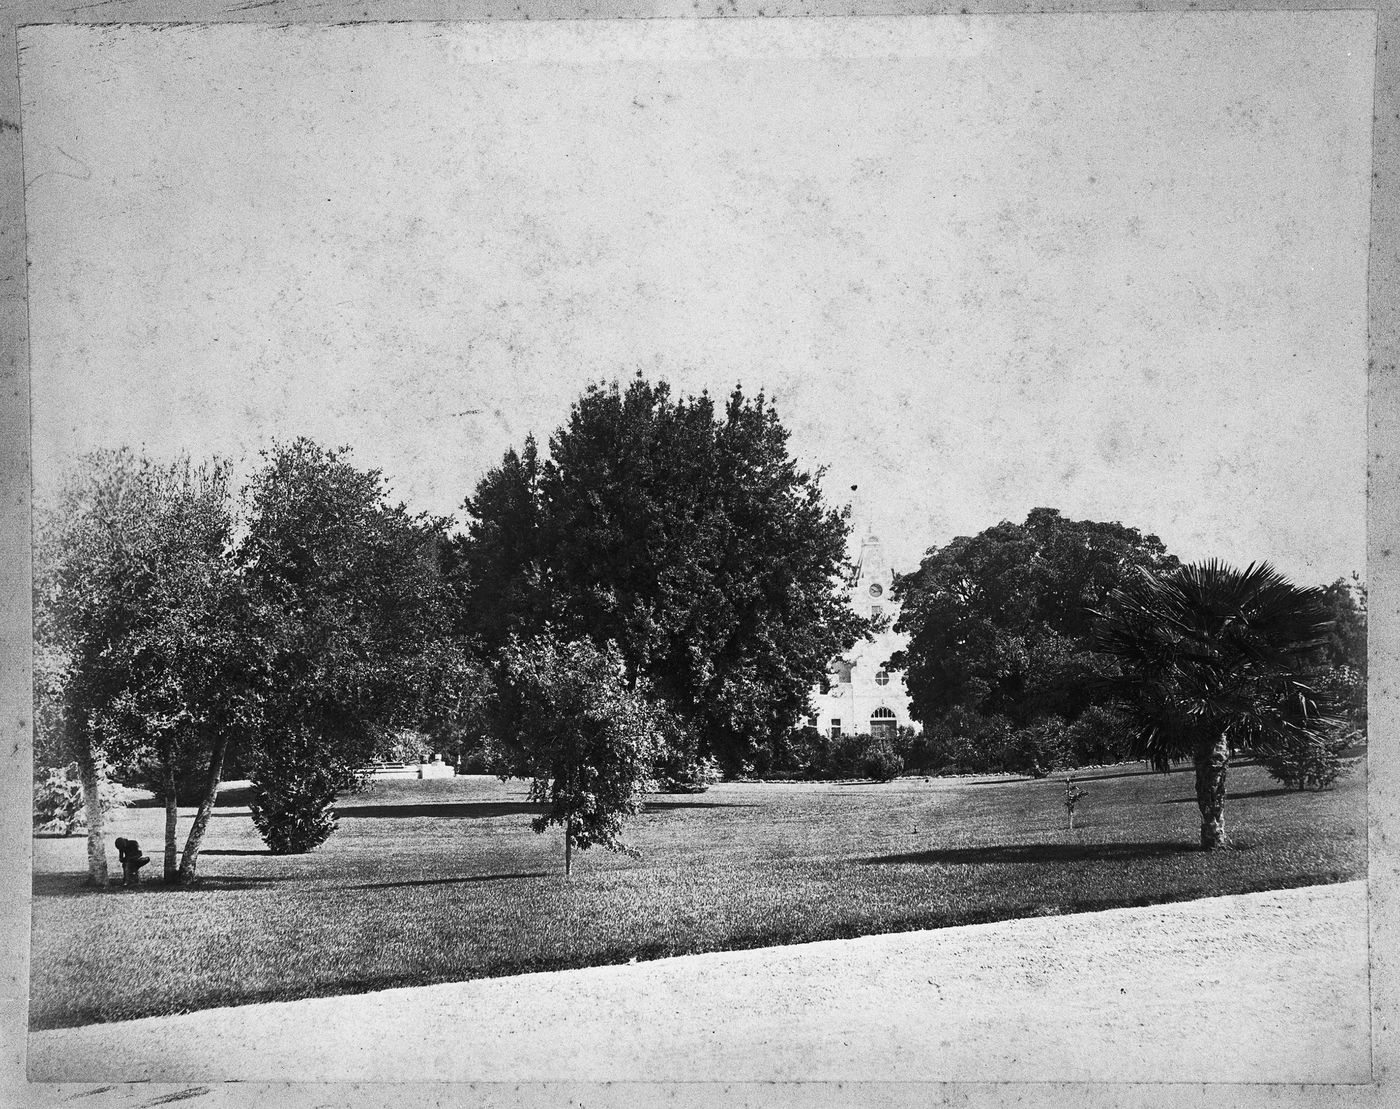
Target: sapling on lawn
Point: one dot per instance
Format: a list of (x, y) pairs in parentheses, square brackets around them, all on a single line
[(587, 738), (1073, 795)]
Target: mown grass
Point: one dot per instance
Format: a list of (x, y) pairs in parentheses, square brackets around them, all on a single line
[(443, 880)]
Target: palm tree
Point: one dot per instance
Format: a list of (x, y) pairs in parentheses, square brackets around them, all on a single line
[(1213, 659)]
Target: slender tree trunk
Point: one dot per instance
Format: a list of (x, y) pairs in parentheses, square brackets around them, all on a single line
[(568, 847), (92, 804), (189, 861), (172, 815), (1212, 761)]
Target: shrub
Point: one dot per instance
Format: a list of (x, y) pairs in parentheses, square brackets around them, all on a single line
[(880, 761), (793, 754), (407, 747), (477, 759), (679, 773), (58, 798), (292, 797), (1308, 762), (1097, 736), (965, 742), (837, 758), (1036, 749), (1345, 686)]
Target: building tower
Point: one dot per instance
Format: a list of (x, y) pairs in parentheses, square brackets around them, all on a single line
[(863, 694)]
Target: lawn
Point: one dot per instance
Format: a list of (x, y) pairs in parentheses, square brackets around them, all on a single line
[(442, 880)]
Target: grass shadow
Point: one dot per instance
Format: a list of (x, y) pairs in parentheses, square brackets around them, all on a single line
[(76, 885), (662, 806), (1236, 796), (453, 810), (1083, 776), (233, 851), (1003, 781), (1038, 853), (450, 881)]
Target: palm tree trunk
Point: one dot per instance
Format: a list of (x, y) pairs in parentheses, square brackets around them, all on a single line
[(1212, 760), (172, 815), (189, 861), (568, 847), (92, 806)]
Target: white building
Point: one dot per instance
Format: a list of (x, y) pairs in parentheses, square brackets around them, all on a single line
[(864, 696)]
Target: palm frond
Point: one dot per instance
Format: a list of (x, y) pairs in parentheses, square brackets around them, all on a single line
[(1211, 650)]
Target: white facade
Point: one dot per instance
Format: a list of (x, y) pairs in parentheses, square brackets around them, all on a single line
[(864, 696)]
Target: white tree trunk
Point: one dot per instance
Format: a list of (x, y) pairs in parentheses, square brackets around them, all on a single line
[(92, 805)]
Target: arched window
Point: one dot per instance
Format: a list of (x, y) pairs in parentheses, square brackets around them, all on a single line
[(882, 723)]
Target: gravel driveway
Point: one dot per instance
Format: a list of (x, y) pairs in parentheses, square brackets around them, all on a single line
[(1262, 987)]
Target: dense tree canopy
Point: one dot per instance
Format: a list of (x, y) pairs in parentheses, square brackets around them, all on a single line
[(1345, 600), (360, 621), (682, 533), (999, 622)]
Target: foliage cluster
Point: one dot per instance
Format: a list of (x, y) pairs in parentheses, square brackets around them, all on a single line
[(585, 737), (668, 567), (59, 806), (807, 754), (1000, 624), (1010, 670), (181, 631), (645, 607), (1217, 659), (1311, 761), (682, 532)]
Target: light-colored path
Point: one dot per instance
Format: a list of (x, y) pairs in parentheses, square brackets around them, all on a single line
[(1263, 987)]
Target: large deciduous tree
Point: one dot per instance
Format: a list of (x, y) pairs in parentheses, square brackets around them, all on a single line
[(999, 623), (359, 621), (686, 535), (1215, 658)]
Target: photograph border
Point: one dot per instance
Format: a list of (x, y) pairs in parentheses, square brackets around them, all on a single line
[(1383, 548)]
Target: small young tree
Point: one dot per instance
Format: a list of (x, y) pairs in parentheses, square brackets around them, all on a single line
[(568, 720), (1073, 795), (1310, 761)]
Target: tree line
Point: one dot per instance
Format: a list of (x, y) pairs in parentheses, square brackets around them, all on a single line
[(1016, 659), (651, 600)]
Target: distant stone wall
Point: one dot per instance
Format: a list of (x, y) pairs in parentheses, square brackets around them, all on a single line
[(381, 771)]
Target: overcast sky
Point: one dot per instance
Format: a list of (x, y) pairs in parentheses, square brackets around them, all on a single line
[(1111, 264)]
